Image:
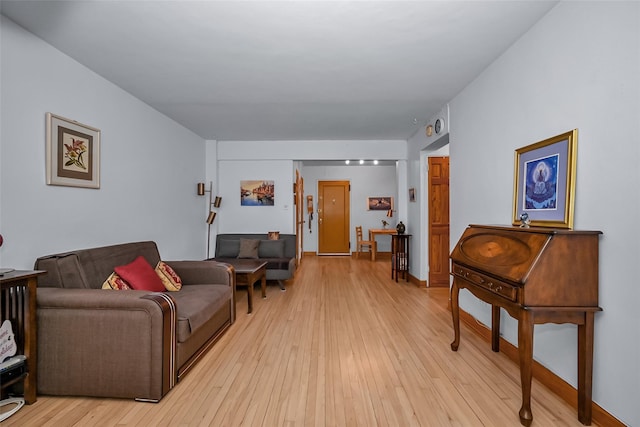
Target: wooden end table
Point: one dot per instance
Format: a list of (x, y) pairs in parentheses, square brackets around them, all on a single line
[(248, 272)]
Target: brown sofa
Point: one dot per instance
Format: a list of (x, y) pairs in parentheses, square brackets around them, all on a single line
[(127, 343)]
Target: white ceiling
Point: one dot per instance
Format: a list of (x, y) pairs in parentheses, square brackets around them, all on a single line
[(288, 70)]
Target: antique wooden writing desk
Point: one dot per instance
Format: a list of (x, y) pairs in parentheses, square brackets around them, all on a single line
[(538, 275)]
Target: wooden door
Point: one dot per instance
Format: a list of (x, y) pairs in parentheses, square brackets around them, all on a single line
[(438, 221), (333, 217)]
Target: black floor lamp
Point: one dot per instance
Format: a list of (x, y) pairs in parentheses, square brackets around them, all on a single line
[(213, 203)]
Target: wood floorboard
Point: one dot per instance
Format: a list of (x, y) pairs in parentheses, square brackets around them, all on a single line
[(345, 345)]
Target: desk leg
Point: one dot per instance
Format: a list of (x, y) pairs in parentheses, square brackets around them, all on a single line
[(585, 368), (525, 350), (495, 328), (455, 314)]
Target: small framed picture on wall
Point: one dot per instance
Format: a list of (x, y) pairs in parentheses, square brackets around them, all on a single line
[(412, 194), (379, 203)]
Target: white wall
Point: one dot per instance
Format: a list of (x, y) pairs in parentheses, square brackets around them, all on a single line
[(578, 67), (233, 218), (149, 164), (366, 181)]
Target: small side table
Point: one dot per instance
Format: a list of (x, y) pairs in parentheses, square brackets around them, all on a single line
[(18, 290), (400, 256)]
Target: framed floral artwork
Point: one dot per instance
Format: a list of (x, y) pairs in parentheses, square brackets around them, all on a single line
[(545, 181), (73, 153)]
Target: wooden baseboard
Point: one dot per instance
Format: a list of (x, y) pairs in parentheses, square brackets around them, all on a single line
[(419, 283), (553, 382)]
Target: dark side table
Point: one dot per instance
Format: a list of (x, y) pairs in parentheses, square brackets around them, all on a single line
[(18, 305), (400, 256)]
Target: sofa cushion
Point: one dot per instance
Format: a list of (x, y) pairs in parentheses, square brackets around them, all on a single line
[(271, 249), (277, 263), (228, 248), (115, 282), (140, 275), (169, 277), (196, 304), (88, 268), (248, 248)]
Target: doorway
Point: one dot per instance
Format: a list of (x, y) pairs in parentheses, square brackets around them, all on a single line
[(334, 218), (438, 238), (298, 197)]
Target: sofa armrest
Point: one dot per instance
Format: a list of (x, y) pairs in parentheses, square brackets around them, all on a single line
[(103, 343), (203, 272)]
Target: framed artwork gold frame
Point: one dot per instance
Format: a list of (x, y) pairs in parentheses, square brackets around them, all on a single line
[(73, 153), (545, 182)]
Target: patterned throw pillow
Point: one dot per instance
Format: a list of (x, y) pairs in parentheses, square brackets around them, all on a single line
[(116, 282), (169, 277)]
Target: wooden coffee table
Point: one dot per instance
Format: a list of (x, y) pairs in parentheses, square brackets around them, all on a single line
[(248, 272)]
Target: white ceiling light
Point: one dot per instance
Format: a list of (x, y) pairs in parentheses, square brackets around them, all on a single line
[(362, 162), (375, 162), (346, 162)]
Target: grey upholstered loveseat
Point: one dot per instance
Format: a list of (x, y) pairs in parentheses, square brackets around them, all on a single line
[(280, 254), (125, 343)]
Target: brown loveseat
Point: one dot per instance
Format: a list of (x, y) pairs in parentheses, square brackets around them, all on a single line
[(125, 343)]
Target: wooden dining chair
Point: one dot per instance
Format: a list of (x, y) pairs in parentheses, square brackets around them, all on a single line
[(369, 244)]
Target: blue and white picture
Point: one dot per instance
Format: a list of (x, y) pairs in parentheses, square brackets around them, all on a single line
[(257, 193), (541, 184)]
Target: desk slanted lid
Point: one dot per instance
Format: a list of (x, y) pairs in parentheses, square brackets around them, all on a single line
[(503, 251)]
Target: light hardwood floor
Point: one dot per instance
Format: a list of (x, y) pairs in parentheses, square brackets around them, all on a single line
[(344, 346)]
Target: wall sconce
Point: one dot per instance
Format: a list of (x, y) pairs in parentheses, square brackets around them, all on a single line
[(201, 189), (212, 215)]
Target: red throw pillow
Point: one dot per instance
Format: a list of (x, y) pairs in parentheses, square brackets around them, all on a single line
[(140, 275)]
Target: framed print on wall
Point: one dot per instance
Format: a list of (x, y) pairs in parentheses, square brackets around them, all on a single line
[(257, 193), (379, 203), (73, 153), (545, 181)]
